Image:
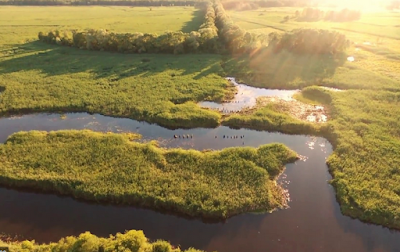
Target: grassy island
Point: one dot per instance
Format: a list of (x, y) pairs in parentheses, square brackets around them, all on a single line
[(112, 168)]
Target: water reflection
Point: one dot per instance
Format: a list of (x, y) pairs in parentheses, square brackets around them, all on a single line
[(312, 223), (246, 97)]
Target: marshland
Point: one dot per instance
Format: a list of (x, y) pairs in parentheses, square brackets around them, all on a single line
[(185, 145)]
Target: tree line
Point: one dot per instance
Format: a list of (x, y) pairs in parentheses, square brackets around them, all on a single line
[(217, 34), (252, 5), (204, 40), (314, 14), (311, 41), (234, 38), (105, 2)]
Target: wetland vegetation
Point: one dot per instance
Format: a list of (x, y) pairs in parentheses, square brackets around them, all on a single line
[(254, 46), (110, 168), (132, 240)]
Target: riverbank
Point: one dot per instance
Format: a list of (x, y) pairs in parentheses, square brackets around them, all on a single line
[(111, 168)]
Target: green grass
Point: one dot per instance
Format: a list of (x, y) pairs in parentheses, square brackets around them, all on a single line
[(26, 22), (370, 70), (111, 168), (129, 241), (163, 89), (366, 156), (376, 66), (381, 24)]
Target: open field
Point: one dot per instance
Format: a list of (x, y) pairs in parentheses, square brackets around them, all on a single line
[(380, 24), (21, 23), (111, 168)]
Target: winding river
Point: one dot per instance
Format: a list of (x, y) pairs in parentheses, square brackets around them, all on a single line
[(312, 223)]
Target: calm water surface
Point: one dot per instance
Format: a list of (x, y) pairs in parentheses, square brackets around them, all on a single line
[(246, 97), (312, 223)]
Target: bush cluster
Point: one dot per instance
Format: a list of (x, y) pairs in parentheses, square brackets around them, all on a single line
[(203, 40), (132, 240)]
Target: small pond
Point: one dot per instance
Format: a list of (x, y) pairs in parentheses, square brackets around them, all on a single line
[(312, 223)]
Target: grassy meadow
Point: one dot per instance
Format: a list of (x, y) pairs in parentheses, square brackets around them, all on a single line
[(161, 89), (111, 168), (132, 240), (25, 22)]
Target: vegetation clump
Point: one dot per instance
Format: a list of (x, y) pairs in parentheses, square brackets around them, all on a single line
[(111, 168), (132, 241)]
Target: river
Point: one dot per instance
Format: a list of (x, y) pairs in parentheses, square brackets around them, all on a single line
[(312, 223)]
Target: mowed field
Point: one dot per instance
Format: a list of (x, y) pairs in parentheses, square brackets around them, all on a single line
[(19, 23)]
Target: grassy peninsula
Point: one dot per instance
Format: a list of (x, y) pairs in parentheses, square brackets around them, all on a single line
[(112, 168)]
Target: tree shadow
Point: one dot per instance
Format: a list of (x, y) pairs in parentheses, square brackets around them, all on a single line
[(194, 23), (283, 70), (53, 60)]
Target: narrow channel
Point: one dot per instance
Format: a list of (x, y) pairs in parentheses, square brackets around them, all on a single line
[(312, 223)]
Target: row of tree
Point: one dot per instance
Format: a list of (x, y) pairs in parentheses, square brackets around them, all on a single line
[(105, 2), (252, 5), (218, 34), (314, 14), (203, 40), (234, 38), (310, 41)]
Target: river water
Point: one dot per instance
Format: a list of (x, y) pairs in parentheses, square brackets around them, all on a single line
[(312, 223), (246, 97)]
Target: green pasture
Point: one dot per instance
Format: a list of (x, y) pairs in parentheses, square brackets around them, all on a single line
[(19, 23)]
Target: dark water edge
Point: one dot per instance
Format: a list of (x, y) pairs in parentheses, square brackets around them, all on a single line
[(312, 223)]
